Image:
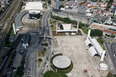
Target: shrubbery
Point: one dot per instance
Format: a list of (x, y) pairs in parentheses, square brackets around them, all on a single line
[(65, 20), (96, 32)]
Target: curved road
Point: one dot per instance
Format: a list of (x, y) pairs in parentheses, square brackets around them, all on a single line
[(44, 31)]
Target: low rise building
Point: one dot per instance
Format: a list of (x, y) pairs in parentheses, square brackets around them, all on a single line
[(105, 28), (95, 47)]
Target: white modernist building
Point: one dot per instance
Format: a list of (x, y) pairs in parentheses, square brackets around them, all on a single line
[(61, 62), (94, 47), (34, 13), (66, 28), (34, 5)]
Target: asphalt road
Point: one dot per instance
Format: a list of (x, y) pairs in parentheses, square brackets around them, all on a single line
[(31, 63), (46, 32), (111, 51)]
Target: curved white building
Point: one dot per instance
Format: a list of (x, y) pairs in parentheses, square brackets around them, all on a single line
[(34, 13), (61, 62)]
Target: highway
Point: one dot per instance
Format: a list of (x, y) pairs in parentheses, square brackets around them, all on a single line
[(31, 63), (111, 51), (46, 31)]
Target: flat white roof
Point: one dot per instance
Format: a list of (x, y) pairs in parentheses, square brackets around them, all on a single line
[(34, 5), (97, 46), (103, 66), (93, 51), (34, 11), (66, 26), (61, 62), (87, 41)]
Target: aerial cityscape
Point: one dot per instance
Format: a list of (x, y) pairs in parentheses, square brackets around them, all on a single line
[(57, 38)]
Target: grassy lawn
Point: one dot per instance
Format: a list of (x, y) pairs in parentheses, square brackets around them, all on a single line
[(39, 63), (53, 74), (41, 53), (111, 75), (44, 44), (53, 28), (85, 30), (58, 34)]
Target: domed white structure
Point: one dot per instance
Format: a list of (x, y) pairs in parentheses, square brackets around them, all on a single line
[(103, 66), (61, 62), (34, 13)]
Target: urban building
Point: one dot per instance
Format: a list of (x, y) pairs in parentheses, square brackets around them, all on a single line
[(26, 40), (18, 22), (34, 14), (66, 28), (107, 29), (94, 47), (57, 4), (37, 5)]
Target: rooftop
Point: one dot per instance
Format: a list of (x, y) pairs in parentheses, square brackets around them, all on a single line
[(18, 19), (34, 5), (61, 62)]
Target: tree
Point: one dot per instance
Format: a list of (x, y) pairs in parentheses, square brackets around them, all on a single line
[(49, 1), (61, 6), (96, 32), (53, 74), (109, 4), (100, 40)]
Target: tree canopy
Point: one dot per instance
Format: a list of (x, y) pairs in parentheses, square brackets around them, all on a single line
[(96, 32), (109, 4), (53, 74)]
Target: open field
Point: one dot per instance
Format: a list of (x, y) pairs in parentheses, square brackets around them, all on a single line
[(74, 47)]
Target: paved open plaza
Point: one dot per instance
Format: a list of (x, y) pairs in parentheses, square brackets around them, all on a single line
[(75, 48)]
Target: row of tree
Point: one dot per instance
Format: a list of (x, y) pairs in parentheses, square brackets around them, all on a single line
[(94, 32), (109, 4), (65, 20), (20, 69)]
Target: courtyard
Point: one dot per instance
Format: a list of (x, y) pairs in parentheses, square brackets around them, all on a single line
[(75, 48)]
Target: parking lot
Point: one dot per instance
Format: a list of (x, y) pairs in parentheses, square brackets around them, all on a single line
[(75, 48)]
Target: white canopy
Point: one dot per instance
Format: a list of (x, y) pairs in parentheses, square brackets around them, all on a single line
[(87, 41), (97, 46), (93, 51), (66, 26), (34, 5)]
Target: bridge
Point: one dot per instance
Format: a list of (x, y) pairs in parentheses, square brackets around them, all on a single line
[(51, 37)]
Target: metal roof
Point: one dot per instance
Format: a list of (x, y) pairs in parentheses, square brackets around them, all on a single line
[(18, 19)]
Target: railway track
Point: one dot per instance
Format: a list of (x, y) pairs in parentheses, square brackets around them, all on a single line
[(10, 16), (8, 19)]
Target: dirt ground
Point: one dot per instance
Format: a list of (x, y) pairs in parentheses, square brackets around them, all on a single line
[(75, 48)]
